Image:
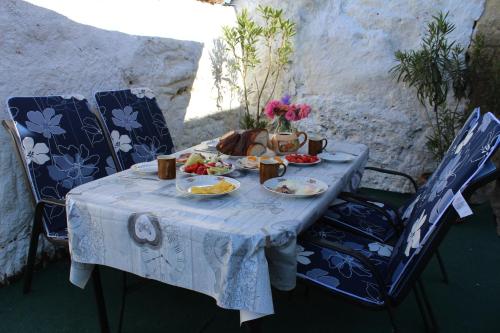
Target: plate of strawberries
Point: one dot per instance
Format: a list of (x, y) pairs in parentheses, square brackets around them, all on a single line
[(302, 159)]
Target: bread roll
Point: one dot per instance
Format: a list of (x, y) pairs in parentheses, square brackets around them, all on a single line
[(245, 143), (227, 142), (256, 149)]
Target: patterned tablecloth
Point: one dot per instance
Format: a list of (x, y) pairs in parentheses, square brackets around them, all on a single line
[(231, 248)]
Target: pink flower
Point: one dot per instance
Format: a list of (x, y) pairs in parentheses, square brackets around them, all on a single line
[(304, 112), (271, 107), (291, 114)]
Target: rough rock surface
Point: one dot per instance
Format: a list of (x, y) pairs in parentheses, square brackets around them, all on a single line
[(47, 50), (343, 52)]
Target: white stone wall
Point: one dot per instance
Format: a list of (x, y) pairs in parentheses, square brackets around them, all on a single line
[(344, 50), (83, 46)]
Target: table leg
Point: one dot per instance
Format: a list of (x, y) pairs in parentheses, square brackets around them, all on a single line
[(99, 297), (254, 326)]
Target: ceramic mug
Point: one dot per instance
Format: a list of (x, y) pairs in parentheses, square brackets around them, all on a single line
[(270, 169), (166, 166), (317, 145)]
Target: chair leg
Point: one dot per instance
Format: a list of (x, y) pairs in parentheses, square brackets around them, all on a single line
[(421, 309), (441, 267), (35, 235), (122, 306), (99, 297), (427, 303), (392, 318)]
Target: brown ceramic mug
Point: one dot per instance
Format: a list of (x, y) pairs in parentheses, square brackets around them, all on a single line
[(317, 145), (166, 166), (270, 169)]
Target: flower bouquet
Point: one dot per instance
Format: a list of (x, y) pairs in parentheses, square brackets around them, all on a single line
[(282, 113)]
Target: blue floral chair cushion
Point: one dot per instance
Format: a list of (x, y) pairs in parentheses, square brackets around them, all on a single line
[(135, 124), (362, 218), (338, 271), (470, 123), (63, 147), (460, 165)]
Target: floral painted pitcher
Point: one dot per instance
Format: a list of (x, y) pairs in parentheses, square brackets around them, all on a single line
[(287, 142)]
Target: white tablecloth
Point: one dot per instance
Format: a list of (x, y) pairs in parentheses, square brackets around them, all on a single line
[(231, 248)]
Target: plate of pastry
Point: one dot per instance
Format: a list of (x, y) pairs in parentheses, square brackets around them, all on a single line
[(296, 186), (207, 186)]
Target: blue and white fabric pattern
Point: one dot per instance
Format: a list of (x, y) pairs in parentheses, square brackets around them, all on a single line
[(364, 219), (471, 121), (63, 147), (135, 124), (341, 272), (474, 145)]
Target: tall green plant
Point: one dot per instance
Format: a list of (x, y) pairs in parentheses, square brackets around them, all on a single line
[(259, 48), (435, 71)]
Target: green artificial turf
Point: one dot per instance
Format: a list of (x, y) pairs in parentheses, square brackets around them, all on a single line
[(468, 304)]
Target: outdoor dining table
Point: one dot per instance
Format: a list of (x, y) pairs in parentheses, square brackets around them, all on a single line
[(232, 247)]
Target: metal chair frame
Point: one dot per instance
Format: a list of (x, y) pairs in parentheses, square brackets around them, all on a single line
[(38, 229), (362, 200), (412, 281)]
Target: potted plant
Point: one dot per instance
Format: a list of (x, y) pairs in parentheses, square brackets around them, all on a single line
[(282, 113), (435, 70), (257, 49)]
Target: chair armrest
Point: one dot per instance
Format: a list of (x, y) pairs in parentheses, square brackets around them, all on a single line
[(50, 201), (356, 255), (351, 197), (396, 173)]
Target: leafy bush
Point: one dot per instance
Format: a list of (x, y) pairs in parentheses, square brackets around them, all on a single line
[(436, 70), (250, 43)]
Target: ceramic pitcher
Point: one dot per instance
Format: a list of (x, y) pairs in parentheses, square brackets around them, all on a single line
[(287, 142)]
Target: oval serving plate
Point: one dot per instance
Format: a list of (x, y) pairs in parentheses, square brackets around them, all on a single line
[(295, 186), (305, 164), (184, 185), (244, 165), (181, 169), (145, 167), (338, 157)]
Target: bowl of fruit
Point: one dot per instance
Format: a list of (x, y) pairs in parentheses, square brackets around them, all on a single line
[(197, 164)]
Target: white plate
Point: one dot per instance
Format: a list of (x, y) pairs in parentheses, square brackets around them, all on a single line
[(305, 164), (241, 163), (184, 185), (145, 167), (338, 157), (305, 186), (181, 169)]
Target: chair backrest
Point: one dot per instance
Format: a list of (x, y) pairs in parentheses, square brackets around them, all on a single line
[(61, 145), (407, 208), (461, 164), (135, 124)]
